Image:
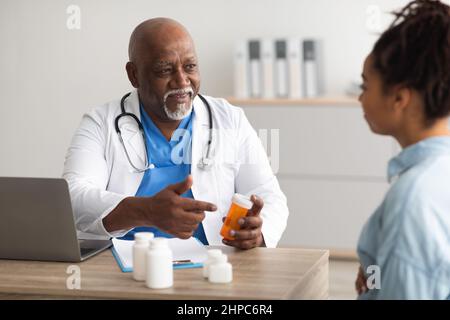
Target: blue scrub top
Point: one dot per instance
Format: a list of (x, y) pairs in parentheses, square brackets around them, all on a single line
[(172, 161)]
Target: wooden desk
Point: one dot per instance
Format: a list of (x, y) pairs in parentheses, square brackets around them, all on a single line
[(261, 273)]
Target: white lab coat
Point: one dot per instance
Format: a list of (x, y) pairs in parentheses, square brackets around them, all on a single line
[(100, 176)]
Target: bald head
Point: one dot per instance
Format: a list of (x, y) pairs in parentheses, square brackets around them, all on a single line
[(151, 33)]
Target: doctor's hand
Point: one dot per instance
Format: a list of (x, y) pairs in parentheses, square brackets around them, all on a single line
[(178, 216), (249, 236)]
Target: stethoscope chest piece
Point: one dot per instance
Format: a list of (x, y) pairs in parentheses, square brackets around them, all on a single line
[(205, 163)]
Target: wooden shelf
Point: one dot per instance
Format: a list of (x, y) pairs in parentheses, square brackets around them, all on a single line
[(320, 101), (335, 253)]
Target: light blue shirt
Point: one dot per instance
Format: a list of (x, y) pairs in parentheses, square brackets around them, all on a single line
[(408, 236), (172, 161)]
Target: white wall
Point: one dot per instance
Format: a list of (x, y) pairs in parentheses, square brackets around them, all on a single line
[(332, 169), (50, 76)]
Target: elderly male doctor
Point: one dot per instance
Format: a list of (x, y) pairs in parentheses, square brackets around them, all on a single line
[(153, 163)]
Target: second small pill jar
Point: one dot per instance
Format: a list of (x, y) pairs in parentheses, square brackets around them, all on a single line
[(240, 205)]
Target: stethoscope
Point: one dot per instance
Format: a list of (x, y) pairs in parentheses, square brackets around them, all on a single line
[(205, 162)]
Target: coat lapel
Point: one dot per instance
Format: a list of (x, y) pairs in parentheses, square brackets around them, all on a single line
[(205, 186)]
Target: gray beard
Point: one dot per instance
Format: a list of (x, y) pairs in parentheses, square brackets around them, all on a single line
[(180, 113)]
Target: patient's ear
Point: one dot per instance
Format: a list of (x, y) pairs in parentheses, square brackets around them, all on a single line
[(132, 74), (402, 97)]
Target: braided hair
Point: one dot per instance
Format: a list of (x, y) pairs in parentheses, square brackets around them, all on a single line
[(415, 52)]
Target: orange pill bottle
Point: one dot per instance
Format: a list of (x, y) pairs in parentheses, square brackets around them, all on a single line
[(240, 205)]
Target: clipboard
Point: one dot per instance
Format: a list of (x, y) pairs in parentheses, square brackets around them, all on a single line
[(189, 253)]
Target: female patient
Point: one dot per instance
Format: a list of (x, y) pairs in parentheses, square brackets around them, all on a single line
[(404, 248)]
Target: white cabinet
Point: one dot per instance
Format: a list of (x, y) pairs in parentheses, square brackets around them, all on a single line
[(332, 169), (328, 213)]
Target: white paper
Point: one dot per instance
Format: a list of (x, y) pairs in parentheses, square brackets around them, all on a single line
[(190, 249), (311, 79), (267, 57), (241, 70), (282, 86), (295, 62), (255, 78)]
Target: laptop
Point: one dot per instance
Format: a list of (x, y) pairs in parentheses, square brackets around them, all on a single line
[(37, 222)]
